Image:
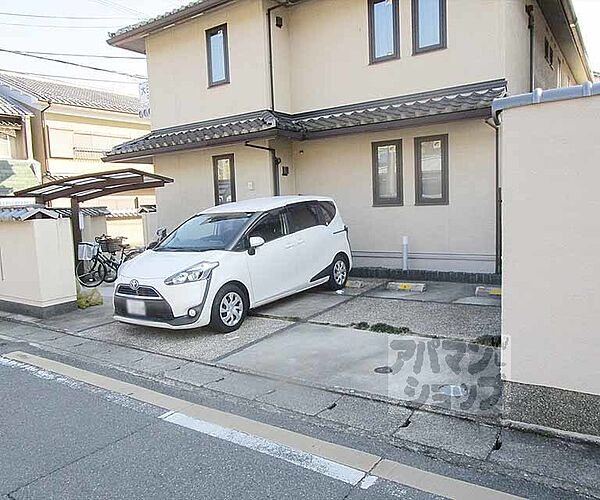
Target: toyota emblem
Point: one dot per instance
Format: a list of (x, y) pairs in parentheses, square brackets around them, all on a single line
[(134, 284)]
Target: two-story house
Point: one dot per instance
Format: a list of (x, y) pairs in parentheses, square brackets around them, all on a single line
[(71, 128), (18, 169), (384, 105)]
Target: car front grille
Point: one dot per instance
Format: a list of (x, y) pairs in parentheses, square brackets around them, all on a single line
[(156, 310), (142, 291)]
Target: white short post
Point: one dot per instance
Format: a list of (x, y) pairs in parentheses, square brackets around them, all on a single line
[(405, 253)]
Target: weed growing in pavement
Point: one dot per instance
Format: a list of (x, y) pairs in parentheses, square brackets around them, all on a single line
[(381, 328)]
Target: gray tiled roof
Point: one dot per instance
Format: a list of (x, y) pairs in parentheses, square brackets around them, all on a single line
[(160, 17), (9, 107), (71, 95), (17, 174), (467, 101), (197, 135), (8, 214)]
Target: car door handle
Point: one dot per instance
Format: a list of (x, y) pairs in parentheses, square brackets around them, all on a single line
[(290, 245)]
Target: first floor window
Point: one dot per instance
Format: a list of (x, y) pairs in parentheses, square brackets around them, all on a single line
[(384, 30), (387, 173), (224, 177), (429, 25), (5, 145), (217, 53), (431, 170)]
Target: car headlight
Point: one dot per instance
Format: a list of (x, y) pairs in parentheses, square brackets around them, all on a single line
[(198, 272)]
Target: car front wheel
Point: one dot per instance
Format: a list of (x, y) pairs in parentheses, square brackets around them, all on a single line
[(229, 309), (339, 274)]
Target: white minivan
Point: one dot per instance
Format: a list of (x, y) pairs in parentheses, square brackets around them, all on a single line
[(231, 258)]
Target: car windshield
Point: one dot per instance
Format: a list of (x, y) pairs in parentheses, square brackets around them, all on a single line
[(205, 232)]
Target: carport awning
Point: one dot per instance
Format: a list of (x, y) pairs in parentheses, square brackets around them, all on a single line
[(437, 106), (90, 186)]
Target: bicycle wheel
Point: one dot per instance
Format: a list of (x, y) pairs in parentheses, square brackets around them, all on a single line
[(111, 271), (90, 273)]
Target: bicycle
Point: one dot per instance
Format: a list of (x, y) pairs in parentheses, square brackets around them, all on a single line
[(99, 262)]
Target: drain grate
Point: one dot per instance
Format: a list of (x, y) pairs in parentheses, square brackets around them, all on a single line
[(383, 369)]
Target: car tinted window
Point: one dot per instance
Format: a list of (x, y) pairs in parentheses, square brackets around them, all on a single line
[(270, 227), (303, 215), (328, 211)]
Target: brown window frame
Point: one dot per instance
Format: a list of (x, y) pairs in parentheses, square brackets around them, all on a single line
[(215, 159), (443, 28), (209, 33), (398, 201), (548, 52), (445, 199), (373, 59)]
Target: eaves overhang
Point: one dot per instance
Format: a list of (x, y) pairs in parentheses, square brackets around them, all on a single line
[(133, 37), (562, 20), (471, 101)]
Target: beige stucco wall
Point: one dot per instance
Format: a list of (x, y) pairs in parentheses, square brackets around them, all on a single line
[(177, 67), (193, 189), (551, 281), (132, 228), (92, 227), (330, 53), (36, 262), (458, 236)]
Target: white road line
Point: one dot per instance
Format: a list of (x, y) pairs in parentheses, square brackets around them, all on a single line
[(346, 464), (305, 460)]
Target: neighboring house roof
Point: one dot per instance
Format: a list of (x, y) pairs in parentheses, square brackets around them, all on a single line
[(71, 95), (17, 174), (9, 214), (465, 101), (10, 107), (86, 211)]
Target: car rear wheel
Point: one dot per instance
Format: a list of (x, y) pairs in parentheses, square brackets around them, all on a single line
[(229, 309), (339, 274)]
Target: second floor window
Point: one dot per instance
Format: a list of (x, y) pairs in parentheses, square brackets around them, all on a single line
[(217, 53), (548, 53), (429, 25), (384, 30)]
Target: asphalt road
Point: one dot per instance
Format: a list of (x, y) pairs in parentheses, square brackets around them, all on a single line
[(72, 431), (60, 440)]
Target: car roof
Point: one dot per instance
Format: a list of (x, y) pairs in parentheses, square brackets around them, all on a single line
[(263, 204)]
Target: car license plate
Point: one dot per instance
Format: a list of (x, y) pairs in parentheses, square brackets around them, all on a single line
[(136, 307)]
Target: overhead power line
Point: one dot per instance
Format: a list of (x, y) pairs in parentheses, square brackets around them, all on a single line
[(82, 18), (142, 77), (121, 8), (65, 77), (78, 55), (64, 26)]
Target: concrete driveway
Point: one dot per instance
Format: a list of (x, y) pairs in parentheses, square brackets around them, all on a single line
[(429, 349)]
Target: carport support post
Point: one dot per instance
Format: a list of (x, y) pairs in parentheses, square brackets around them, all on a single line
[(75, 227)]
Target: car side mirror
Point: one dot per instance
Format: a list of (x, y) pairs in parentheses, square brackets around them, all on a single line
[(161, 233), (152, 244), (254, 242)]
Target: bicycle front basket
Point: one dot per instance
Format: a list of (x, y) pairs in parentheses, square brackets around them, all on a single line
[(87, 251), (110, 245)]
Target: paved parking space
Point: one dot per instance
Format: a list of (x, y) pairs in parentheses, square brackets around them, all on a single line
[(302, 306), (450, 374), (200, 344), (456, 321)]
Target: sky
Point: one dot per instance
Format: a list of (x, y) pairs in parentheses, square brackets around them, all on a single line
[(88, 37)]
